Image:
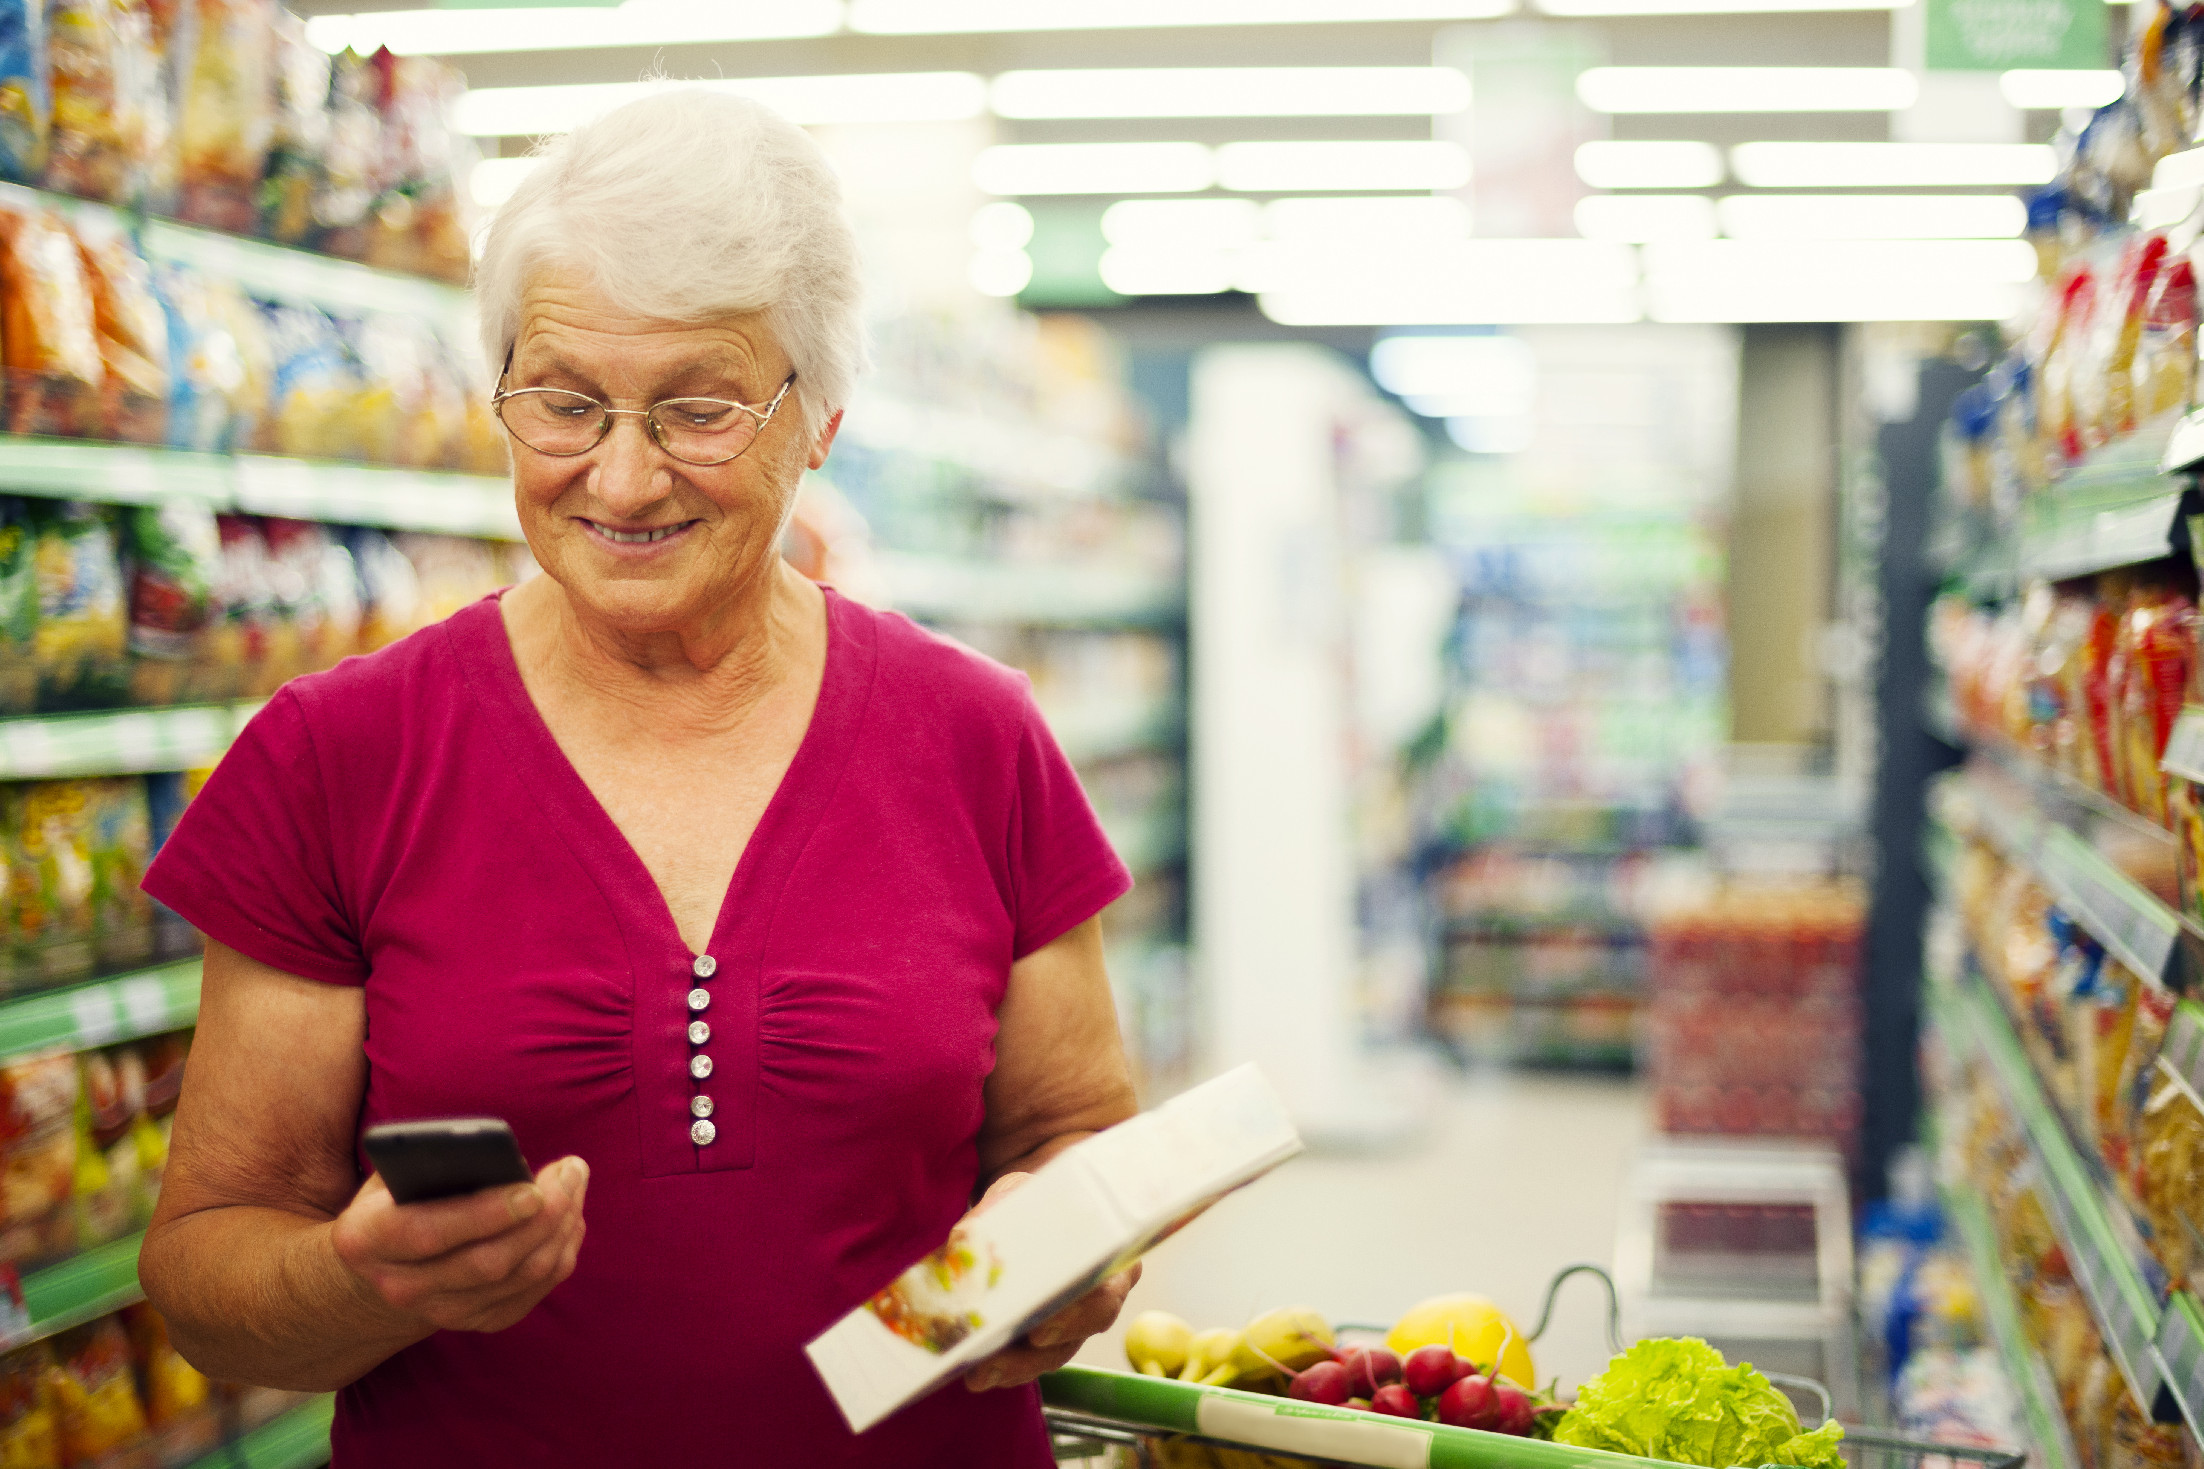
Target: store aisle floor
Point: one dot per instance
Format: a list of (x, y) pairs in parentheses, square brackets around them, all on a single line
[(1518, 1175)]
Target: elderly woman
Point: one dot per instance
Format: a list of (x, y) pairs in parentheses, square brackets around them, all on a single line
[(767, 920)]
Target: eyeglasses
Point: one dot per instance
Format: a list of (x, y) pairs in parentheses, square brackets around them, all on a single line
[(693, 430)]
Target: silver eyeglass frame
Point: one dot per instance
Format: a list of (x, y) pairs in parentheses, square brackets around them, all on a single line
[(657, 433)]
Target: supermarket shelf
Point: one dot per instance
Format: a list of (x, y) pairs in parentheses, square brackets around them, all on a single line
[(102, 1012), (262, 268), (2126, 1310), (1009, 452), (1076, 594), (2181, 1358), (1107, 731), (2185, 746), (120, 741), (79, 1289), (298, 1439), (2039, 1397), (2077, 539), (352, 494)]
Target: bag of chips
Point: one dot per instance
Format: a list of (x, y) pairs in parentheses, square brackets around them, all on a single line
[(95, 1391), (30, 1430), (300, 134), (18, 608), (107, 112), (132, 331), (122, 849), (38, 1158), (83, 625), (49, 347)]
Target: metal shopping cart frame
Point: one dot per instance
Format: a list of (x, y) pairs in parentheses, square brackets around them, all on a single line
[(1090, 1411)]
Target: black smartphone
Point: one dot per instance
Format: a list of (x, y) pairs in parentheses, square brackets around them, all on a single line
[(441, 1157)]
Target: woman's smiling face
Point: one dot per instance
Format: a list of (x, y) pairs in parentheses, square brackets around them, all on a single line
[(637, 538)]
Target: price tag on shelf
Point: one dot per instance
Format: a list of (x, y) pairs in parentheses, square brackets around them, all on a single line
[(2185, 747), (96, 1016), (145, 1003), (135, 740), (2182, 1052), (2081, 540)]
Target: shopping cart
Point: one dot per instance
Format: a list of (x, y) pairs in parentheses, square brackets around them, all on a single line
[(1096, 1416)]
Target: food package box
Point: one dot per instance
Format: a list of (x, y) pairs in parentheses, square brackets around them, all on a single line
[(1088, 1213)]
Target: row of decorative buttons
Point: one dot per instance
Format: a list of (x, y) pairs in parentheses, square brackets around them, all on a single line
[(701, 1131)]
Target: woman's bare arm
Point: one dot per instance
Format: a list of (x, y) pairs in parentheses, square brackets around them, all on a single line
[(1060, 1075), (1060, 1070), (272, 1263)]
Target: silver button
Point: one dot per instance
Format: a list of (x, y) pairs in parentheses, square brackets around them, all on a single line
[(699, 1032), (699, 998), (705, 966), (700, 1106), (702, 1132), (700, 1067)]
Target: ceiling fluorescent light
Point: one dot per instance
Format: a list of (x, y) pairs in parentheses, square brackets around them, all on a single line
[(1148, 271), (1406, 217), (1867, 280), (1872, 216), (1479, 282), (1649, 165), (1707, 7), (920, 96), (1233, 91), (1000, 272), (1002, 226), (458, 32), (1194, 224), (1637, 89), (1299, 168), (1891, 165), (1094, 168), (1636, 218), (2054, 90), (953, 17)]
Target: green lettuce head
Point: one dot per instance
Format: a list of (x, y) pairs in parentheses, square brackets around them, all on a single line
[(1676, 1399)]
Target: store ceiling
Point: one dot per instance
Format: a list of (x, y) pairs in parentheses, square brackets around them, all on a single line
[(1833, 38)]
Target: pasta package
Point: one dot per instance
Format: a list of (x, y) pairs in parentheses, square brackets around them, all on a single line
[(131, 328), (2152, 659), (48, 343), (2170, 1164)]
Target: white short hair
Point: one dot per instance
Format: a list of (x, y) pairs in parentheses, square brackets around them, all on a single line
[(690, 205)]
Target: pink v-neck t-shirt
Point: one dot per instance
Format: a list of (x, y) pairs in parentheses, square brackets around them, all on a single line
[(406, 823)]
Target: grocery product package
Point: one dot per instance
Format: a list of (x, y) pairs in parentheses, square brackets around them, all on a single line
[(109, 116), (175, 561), (218, 362), (239, 638), (2153, 656), (121, 838), (95, 1392), (38, 1158), (2169, 1158), (179, 1401), (79, 644), (315, 387), (419, 224), (30, 1430), (1088, 1212), (225, 110), (49, 345), (18, 607), (354, 168), (49, 847), (132, 332), (26, 101), (300, 136), (110, 1100)]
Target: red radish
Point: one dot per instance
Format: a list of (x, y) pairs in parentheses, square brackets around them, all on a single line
[(1370, 1368), (1514, 1412), (1470, 1403), (1429, 1370), (1326, 1382), (1395, 1401)]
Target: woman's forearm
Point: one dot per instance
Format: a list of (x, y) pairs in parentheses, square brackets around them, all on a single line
[(258, 1295)]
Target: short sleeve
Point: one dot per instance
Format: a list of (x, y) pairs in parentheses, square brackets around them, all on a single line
[(251, 863), (1064, 867)]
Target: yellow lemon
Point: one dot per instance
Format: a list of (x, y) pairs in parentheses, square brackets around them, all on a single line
[(1473, 1327), (1158, 1343)]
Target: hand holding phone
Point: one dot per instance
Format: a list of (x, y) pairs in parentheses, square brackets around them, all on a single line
[(440, 1157), (479, 1257)]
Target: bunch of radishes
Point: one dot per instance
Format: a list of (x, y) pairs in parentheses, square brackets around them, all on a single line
[(1433, 1384)]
